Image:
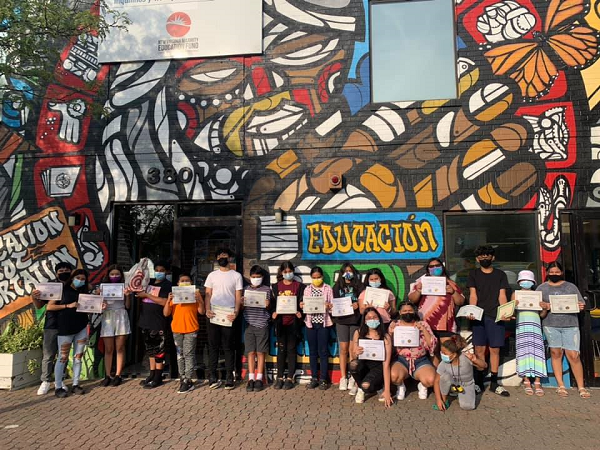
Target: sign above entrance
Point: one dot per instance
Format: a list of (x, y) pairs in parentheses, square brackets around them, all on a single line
[(178, 29)]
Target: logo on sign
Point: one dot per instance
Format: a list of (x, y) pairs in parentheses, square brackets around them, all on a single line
[(178, 24)]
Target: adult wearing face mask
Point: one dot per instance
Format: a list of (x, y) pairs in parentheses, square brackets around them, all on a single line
[(154, 324), (223, 288), (371, 376), (287, 326), (374, 278), (72, 331), (317, 330), (347, 285), (487, 288), (438, 310), (562, 330), (50, 343)]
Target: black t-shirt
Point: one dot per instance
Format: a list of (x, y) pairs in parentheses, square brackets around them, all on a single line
[(151, 314), (488, 287), (51, 322), (69, 321), (352, 319)]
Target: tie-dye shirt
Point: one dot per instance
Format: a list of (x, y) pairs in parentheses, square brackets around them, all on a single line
[(438, 310)]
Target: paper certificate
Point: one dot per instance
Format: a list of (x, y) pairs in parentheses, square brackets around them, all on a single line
[(372, 349), (286, 304), (564, 304), (89, 303), (528, 300), (467, 310), (314, 305), (505, 311), (342, 307), (406, 336), (221, 313), (255, 299), (50, 291), (112, 291), (433, 285), (376, 297), (184, 294), (152, 290)]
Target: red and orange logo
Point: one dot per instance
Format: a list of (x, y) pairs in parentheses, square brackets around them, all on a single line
[(178, 24)]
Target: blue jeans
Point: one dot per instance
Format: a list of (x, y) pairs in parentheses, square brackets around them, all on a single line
[(318, 345)]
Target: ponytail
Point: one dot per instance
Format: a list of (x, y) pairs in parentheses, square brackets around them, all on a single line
[(455, 344)]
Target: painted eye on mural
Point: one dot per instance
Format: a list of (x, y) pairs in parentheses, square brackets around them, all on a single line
[(463, 65), (283, 121), (211, 77), (304, 50)]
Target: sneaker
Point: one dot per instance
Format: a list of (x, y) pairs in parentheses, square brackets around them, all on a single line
[(106, 381), (478, 389), (215, 384), (323, 385), (229, 385), (313, 384), (258, 385), (343, 384), (360, 396), (116, 381), (153, 384), (288, 384), (250, 386), (44, 388), (353, 390), (380, 397), (147, 380), (185, 386), (401, 392), (499, 390), (60, 393), (78, 390), (278, 383), (423, 391)]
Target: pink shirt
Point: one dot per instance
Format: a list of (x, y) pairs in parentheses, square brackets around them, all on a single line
[(326, 291), (385, 316)]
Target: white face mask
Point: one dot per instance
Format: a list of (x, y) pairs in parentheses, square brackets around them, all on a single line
[(256, 281)]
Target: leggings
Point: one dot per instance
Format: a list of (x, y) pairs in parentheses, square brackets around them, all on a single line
[(367, 374), (79, 341), (286, 350), (185, 345), (318, 345), (466, 400)]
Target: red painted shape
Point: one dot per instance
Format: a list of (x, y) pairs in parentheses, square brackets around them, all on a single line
[(261, 81), (192, 118), (303, 96)]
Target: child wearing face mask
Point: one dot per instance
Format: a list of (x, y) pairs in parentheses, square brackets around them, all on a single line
[(185, 328), (531, 354), (256, 336), (374, 278), (455, 374), (317, 330)]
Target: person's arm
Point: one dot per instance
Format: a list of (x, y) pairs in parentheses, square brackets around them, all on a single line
[(478, 363), (387, 396), (207, 297), (300, 301), (353, 345), (35, 299), (428, 337), (415, 294), (392, 303), (200, 302), (502, 297), (127, 295), (438, 393), (238, 303), (167, 309), (457, 297), (361, 302), (54, 305), (273, 304), (473, 296)]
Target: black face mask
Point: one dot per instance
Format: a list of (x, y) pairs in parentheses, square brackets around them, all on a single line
[(64, 276), (408, 317), (485, 263), (223, 262), (554, 278)]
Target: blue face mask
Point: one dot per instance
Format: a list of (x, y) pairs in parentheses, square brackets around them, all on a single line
[(374, 284), (526, 284), (159, 276), (78, 283), (373, 323), (446, 358), (289, 276), (436, 271), (348, 275)]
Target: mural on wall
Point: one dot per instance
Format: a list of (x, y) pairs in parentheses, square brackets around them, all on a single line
[(524, 133)]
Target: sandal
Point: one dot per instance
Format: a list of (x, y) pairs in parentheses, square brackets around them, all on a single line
[(538, 390), (527, 388), (562, 391), (584, 393)]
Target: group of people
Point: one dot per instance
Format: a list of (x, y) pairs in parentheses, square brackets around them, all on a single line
[(440, 360)]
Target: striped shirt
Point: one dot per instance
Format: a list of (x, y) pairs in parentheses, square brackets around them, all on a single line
[(258, 317)]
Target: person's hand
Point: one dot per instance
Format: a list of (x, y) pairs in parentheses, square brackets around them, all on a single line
[(198, 295), (581, 306), (274, 316), (231, 317), (391, 327), (170, 297), (471, 317), (104, 305), (267, 303), (301, 305), (387, 306), (387, 398), (418, 287), (470, 356), (242, 299), (545, 305), (298, 314), (354, 306), (36, 294), (420, 326), (449, 289), (507, 318), (516, 302), (142, 294), (359, 350), (72, 305), (210, 314), (127, 291), (96, 291), (441, 405), (328, 306)]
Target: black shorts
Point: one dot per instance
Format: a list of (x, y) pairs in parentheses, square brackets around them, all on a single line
[(154, 342)]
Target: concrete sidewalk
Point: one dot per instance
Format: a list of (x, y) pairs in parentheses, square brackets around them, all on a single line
[(131, 417)]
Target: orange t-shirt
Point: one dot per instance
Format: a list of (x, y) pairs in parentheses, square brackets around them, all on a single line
[(185, 317)]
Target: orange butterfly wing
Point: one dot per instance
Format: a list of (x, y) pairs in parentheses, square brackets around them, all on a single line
[(576, 47), (526, 63), (560, 11)]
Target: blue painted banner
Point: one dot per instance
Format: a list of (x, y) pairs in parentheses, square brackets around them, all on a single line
[(371, 236)]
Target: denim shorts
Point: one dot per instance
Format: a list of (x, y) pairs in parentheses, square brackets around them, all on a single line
[(566, 338), (419, 362), (488, 332)]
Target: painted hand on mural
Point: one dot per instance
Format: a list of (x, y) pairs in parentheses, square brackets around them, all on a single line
[(71, 116)]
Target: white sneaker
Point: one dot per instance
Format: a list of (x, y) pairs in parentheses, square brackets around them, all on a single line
[(423, 391), (44, 388), (380, 397), (351, 383), (353, 390), (360, 396), (401, 392), (343, 384)]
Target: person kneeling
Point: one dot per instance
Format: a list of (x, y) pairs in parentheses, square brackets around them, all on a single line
[(455, 374)]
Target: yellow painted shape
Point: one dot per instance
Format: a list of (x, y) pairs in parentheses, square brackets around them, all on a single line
[(424, 193)]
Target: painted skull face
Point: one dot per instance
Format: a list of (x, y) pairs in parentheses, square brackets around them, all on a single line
[(251, 105)]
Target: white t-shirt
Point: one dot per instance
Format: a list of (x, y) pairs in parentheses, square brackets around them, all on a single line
[(223, 285)]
